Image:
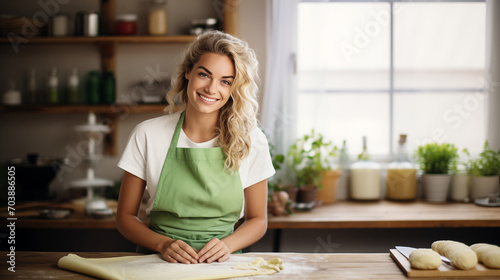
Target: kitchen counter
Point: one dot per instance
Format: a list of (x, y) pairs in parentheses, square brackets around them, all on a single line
[(389, 214), (43, 265), (341, 214)]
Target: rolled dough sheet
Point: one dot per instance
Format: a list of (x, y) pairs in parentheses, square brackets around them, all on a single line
[(154, 267)]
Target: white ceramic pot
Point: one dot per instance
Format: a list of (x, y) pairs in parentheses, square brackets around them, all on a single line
[(460, 187), (436, 187), (483, 186)]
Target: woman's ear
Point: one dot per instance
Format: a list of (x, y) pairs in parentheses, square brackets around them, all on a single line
[(186, 75)]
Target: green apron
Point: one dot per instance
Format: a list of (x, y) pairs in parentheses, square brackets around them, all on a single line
[(197, 199)]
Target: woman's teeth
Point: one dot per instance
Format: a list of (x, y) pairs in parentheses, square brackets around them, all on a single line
[(207, 99)]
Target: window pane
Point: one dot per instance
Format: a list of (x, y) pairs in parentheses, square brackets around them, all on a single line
[(453, 117), (439, 45), (347, 116), (343, 45)]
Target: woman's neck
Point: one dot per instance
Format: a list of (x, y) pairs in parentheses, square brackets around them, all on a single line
[(199, 127)]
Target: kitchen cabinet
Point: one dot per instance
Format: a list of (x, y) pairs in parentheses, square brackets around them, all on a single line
[(107, 45)]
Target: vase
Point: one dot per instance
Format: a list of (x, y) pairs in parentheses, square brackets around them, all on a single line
[(460, 187), (328, 191), (483, 186), (436, 187)]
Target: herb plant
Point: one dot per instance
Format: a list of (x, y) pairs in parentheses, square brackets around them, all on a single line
[(310, 155), (487, 164), (437, 158)]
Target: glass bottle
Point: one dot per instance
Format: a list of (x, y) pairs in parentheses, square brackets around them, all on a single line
[(108, 88), (74, 88), (365, 177), (32, 90), (401, 180), (158, 18), (53, 87)]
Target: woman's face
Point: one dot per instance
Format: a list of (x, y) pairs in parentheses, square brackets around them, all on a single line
[(209, 85)]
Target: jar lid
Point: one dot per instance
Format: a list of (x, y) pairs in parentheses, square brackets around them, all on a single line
[(127, 17)]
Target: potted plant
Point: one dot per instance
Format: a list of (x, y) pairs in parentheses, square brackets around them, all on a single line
[(485, 172), (460, 183), (309, 157), (436, 161)]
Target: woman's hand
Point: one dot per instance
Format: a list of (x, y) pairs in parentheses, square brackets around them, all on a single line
[(178, 251), (214, 250)]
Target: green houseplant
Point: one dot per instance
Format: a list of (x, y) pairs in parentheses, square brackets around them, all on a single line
[(308, 157), (485, 172), (436, 161)]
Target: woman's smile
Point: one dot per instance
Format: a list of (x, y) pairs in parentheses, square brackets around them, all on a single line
[(206, 99)]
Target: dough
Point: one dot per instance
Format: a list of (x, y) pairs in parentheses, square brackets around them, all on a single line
[(460, 255), (153, 267), (425, 259), (487, 254), (275, 264)]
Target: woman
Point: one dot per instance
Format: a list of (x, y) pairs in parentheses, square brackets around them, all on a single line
[(205, 163)]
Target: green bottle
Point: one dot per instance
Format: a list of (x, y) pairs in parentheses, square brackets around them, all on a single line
[(93, 88), (108, 88), (53, 88), (73, 88)]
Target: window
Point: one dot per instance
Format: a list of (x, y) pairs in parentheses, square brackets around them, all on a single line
[(381, 68)]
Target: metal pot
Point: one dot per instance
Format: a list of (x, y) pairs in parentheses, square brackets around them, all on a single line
[(33, 176)]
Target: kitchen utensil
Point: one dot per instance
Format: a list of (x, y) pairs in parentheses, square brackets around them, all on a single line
[(444, 271), (54, 213), (489, 201), (101, 213), (406, 251), (33, 176)]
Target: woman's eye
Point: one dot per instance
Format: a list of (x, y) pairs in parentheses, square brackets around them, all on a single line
[(227, 83), (203, 75)]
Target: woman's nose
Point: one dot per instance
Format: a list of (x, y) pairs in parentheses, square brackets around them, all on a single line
[(211, 87)]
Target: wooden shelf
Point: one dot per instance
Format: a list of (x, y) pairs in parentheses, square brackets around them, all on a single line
[(111, 113), (100, 109), (108, 39)]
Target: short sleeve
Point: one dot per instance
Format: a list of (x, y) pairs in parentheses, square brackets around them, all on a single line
[(260, 165), (133, 159)]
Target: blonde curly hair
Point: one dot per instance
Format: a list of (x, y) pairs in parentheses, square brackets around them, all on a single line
[(238, 117)]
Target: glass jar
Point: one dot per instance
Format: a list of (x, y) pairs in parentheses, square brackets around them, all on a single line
[(401, 179), (126, 24), (158, 18), (365, 177)]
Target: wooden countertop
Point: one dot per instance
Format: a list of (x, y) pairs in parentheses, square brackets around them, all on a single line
[(42, 265), (388, 214), (341, 214)]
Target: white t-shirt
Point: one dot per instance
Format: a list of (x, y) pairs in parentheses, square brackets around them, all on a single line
[(148, 145)]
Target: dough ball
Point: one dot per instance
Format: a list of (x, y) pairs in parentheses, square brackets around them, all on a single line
[(425, 259), (487, 254), (460, 255)]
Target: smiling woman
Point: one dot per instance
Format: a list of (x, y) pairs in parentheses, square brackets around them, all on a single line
[(203, 162)]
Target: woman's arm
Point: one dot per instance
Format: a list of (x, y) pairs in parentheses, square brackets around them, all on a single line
[(132, 228), (249, 232)]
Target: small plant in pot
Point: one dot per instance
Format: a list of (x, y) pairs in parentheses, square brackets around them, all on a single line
[(485, 172), (308, 157), (436, 161)]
